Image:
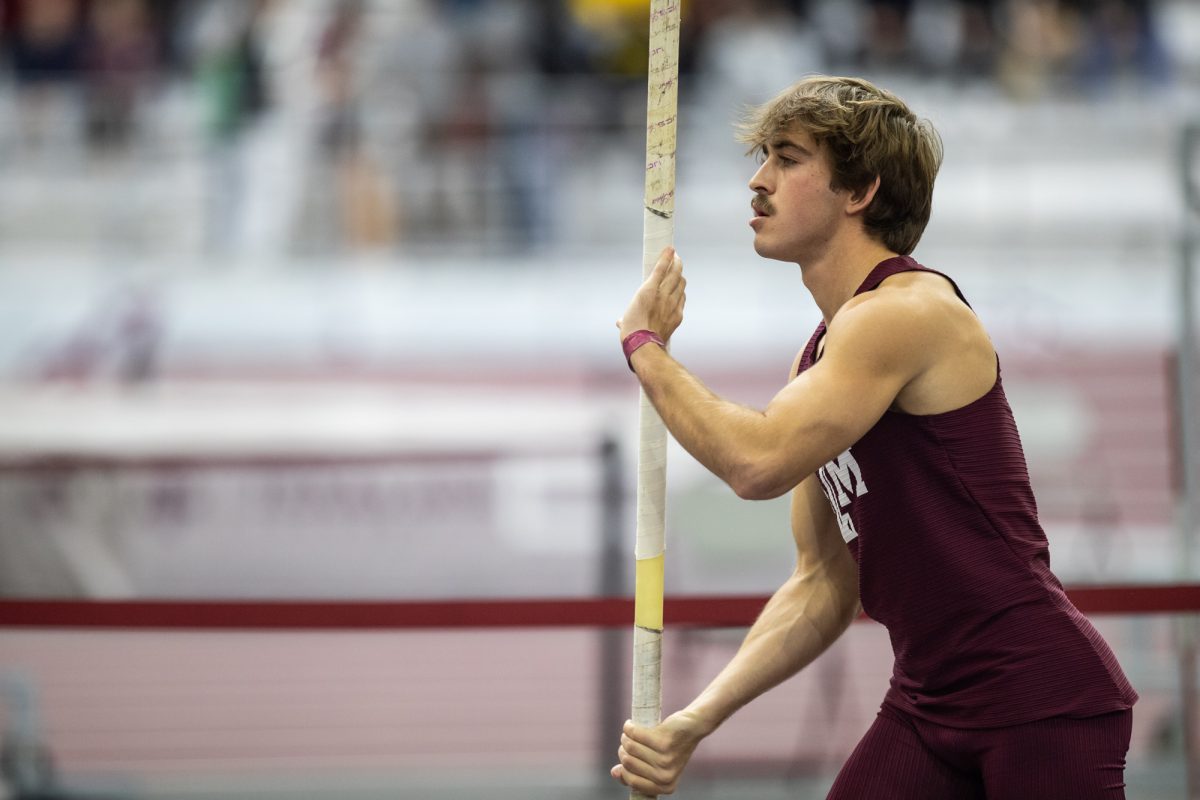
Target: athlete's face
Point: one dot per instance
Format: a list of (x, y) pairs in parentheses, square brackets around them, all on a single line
[(796, 214)]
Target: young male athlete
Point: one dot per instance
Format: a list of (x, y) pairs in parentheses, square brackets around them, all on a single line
[(910, 494)]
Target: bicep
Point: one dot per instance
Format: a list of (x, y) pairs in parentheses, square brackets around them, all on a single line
[(829, 406)]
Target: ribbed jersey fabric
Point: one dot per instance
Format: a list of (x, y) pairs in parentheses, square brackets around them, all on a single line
[(939, 514)]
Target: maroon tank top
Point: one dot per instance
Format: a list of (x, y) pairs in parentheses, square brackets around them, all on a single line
[(940, 516)]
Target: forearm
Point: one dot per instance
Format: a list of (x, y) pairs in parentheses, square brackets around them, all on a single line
[(730, 440), (804, 617)]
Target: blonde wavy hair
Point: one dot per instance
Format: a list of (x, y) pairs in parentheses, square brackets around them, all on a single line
[(868, 132)]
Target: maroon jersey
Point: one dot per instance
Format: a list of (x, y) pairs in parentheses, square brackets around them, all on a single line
[(939, 514)]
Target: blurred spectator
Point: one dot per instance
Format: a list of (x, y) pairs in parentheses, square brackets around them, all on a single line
[(1068, 45), (501, 81), (229, 68), (842, 27), (617, 32), (1120, 41), (888, 34), (368, 218), (429, 118), (336, 78), (44, 42), (483, 128), (746, 41), (121, 60), (617, 38), (935, 37), (348, 203), (1038, 46), (560, 45), (978, 45)]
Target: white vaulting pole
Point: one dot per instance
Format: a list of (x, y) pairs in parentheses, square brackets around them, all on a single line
[(658, 232)]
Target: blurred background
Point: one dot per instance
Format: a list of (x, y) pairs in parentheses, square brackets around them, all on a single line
[(315, 300)]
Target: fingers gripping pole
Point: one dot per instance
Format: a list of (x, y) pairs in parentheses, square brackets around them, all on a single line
[(658, 232)]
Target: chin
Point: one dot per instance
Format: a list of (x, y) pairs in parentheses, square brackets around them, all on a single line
[(774, 253)]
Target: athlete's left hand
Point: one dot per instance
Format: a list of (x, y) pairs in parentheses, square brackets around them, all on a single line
[(658, 303), (653, 759)]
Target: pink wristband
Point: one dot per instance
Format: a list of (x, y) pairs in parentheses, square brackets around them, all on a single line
[(635, 340)]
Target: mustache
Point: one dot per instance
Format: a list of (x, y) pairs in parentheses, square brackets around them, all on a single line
[(760, 204)]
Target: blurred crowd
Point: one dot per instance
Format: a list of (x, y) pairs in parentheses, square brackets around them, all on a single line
[(387, 120)]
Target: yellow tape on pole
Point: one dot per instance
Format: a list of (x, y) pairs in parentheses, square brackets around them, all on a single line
[(648, 597)]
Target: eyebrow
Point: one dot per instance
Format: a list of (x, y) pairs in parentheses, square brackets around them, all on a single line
[(787, 144)]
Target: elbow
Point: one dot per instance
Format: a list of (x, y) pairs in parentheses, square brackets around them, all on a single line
[(771, 462), (758, 481), (754, 491)]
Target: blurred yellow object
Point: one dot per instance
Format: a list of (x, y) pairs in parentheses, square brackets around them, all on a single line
[(604, 14), (619, 30)]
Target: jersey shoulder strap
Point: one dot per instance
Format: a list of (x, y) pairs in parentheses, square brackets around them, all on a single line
[(897, 264)]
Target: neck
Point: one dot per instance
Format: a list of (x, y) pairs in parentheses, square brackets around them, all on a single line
[(833, 278)]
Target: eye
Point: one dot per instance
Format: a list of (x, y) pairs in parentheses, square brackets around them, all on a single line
[(760, 155)]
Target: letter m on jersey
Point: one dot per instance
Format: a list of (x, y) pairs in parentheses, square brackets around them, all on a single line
[(843, 481)]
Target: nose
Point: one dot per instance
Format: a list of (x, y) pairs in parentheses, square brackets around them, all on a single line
[(758, 182)]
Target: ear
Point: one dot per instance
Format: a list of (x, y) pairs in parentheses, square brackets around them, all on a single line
[(859, 200)]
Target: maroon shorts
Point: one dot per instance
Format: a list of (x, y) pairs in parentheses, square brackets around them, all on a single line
[(907, 758)]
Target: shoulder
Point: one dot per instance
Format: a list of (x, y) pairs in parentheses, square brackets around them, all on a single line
[(907, 309), (909, 324), (915, 325), (881, 319)]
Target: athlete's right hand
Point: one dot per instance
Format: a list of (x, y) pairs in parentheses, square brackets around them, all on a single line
[(652, 759), (658, 303)]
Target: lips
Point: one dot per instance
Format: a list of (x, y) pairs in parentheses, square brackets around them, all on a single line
[(760, 207)]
